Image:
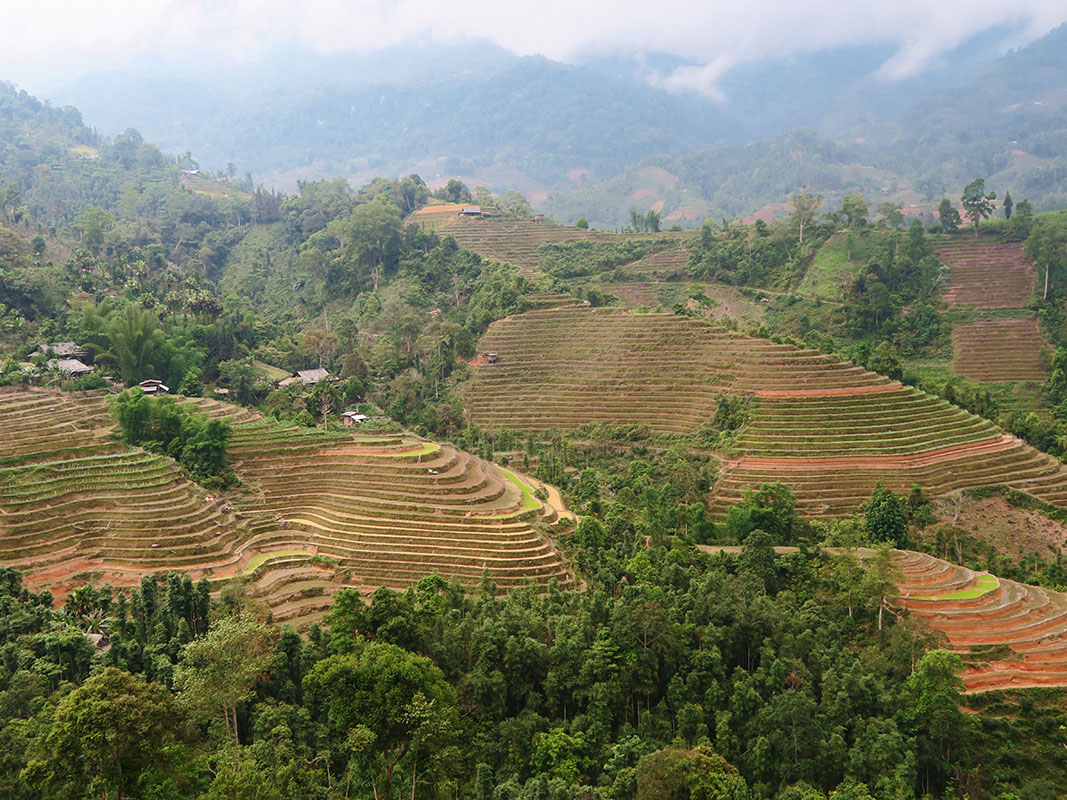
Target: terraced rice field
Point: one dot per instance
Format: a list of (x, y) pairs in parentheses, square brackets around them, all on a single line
[(390, 510), (990, 275), (383, 511), (977, 613), (72, 496), (517, 241), (567, 367), (998, 349), (833, 451), (985, 273), (45, 426), (827, 428), (662, 264)]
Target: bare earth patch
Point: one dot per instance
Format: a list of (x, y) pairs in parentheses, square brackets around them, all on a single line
[(1014, 531)]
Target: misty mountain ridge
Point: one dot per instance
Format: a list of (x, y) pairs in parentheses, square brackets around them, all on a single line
[(600, 134)]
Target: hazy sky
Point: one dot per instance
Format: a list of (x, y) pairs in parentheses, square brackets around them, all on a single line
[(48, 41)]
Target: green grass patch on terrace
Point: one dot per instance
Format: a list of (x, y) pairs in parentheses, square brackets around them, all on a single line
[(1022, 396), (427, 447), (260, 559), (529, 502), (984, 585)]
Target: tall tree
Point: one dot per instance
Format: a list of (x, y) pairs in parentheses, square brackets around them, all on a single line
[(105, 735), (890, 214), (977, 205), (699, 773), (373, 234), (932, 702), (134, 344), (886, 518), (1047, 247), (93, 223), (218, 671), (392, 710), (1008, 204), (949, 216), (805, 205), (855, 209)]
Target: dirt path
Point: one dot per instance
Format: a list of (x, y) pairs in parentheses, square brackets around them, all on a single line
[(555, 499)]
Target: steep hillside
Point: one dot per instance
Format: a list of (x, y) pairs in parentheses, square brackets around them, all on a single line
[(829, 429), (986, 273), (993, 284), (380, 510), (567, 367)]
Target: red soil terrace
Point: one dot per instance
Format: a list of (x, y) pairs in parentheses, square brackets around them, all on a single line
[(1029, 620)]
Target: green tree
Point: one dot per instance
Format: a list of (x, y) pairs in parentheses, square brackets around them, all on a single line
[(515, 204), (218, 671), (325, 400), (890, 214), (105, 736), (887, 519), (949, 216), (392, 710), (1022, 220), (757, 558), (1008, 204), (1047, 247), (885, 361), (373, 239), (855, 209), (698, 774), (94, 223), (455, 191), (879, 584), (977, 205), (932, 705), (805, 205), (771, 507), (582, 223), (240, 377), (133, 343)]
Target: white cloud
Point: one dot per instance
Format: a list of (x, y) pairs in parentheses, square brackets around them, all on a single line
[(57, 39)]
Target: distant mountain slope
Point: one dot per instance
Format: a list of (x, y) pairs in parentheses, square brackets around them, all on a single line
[(1007, 124), (731, 181), (595, 140), (55, 166), (538, 117)]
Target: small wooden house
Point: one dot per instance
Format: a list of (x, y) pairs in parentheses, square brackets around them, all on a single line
[(70, 366), (352, 418), (309, 377), (60, 350), (153, 386), (490, 358)]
